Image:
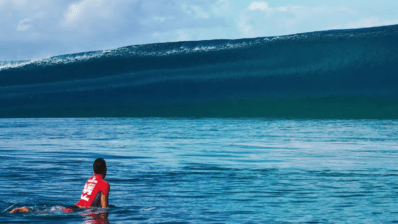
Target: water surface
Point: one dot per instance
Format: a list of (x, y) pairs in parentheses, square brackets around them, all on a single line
[(203, 170)]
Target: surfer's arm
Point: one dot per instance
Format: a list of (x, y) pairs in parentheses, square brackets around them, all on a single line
[(104, 201), (21, 210), (105, 189)]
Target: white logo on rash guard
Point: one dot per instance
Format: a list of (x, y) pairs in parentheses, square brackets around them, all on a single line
[(88, 189)]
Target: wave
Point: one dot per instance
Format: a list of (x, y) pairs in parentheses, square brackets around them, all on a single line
[(329, 74), (13, 64)]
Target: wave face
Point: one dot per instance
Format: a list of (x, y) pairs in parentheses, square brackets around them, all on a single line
[(331, 74)]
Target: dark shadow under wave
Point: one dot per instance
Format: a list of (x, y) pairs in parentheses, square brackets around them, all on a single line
[(332, 74)]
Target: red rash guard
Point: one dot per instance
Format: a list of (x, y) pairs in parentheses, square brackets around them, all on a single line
[(91, 195)]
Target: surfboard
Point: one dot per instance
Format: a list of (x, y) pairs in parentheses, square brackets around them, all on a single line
[(9, 207)]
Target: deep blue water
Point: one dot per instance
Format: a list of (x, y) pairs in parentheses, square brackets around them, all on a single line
[(342, 74), (165, 170)]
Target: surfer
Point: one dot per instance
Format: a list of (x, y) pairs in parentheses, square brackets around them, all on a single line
[(95, 191)]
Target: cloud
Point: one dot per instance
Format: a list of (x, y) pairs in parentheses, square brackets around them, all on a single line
[(220, 7), (92, 12), (262, 19), (29, 23), (196, 11), (263, 6), (24, 24), (259, 6), (75, 12)]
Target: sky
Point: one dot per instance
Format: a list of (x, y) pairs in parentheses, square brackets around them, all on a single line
[(34, 29)]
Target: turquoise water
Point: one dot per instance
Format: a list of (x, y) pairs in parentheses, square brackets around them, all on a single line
[(203, 170)]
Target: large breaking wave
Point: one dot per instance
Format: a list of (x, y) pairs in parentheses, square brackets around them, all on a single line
[(331, 74)]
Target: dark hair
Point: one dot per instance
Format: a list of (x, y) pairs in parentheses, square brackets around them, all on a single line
[(99, 166)]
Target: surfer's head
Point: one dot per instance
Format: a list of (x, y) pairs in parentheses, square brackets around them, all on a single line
[(99, 167)]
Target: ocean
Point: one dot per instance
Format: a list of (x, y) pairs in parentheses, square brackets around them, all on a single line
[(202, 170)]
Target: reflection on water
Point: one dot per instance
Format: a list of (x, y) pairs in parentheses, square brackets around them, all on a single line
[(95, 217), (90, 215)]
